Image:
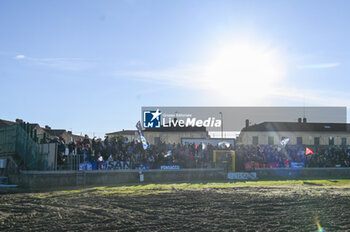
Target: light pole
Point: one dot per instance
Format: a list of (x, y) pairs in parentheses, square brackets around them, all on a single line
[(222, 125)]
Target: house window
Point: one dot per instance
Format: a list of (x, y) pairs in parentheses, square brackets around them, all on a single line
[(255, 140), (331, 141), (343, 141), (299, 140), (270, 140), (317, 141)]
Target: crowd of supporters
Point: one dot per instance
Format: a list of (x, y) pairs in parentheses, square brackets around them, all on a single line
[(119, 153), (279, 156)]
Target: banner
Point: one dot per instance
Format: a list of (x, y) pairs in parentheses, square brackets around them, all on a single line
[(249, 165), (170, 167), (144, 142), (285, 141), (296, 165), (308, 151), (143, 139), (241, 175), (273, 165)]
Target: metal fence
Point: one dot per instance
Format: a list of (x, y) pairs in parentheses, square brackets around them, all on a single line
[(15, 140), (70, 162), (7, 140)]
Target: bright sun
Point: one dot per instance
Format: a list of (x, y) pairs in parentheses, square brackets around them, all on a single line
[(243, 70), (233, 72)]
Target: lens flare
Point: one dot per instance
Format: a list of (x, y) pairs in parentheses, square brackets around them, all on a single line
[(319, 227)]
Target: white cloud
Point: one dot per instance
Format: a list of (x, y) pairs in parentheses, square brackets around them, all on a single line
[(19, 57), (319, 66), (70, 64)]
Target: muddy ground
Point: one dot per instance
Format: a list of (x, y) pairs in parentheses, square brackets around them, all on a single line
[(232, 209)]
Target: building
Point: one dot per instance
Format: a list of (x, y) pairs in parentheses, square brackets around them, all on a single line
[(129, 134), (171, 135), (34, 126), (5, 123), (42, 132), (301, 132), (167, 135), (68, 136)]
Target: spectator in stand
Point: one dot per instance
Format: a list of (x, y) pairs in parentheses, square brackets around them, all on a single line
[(274, 156), (86, 140), (130, 154)]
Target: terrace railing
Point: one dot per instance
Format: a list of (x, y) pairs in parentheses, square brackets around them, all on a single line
[(15, 140)]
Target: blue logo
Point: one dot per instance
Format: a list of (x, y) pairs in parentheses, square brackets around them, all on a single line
[(152, 118)]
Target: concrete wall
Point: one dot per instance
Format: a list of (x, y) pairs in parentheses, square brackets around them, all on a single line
[(49, 149), (41, 179), (278, 173)]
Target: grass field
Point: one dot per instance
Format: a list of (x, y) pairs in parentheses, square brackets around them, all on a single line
[(294, 205)]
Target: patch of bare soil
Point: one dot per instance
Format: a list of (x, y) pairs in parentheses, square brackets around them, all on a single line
[(236, 209)]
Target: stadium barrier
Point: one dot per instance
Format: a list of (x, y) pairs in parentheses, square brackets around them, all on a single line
[(47, 179), (313, 173)]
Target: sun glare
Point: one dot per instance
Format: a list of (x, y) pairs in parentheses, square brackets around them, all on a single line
[(243, 70)]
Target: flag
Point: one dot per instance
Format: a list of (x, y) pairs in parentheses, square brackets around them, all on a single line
[(143, 139), (144, 142), (308, 151), (285, 141), (138, 126)]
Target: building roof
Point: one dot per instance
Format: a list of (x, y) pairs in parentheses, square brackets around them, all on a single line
[(34, 125), (55, 132), (47, 129), (298, 126), (177, 129), (5, 123), (123, 132)]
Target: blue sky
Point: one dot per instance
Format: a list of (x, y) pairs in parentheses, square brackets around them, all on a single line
[(89, 66)]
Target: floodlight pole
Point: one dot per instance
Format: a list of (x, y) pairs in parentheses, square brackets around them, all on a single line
[(222, 125)]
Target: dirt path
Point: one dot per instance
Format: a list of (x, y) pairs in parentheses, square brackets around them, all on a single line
[(236, 209)]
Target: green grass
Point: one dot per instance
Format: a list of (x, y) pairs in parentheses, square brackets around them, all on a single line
[(147, 189)]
